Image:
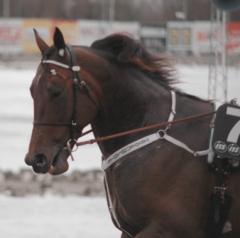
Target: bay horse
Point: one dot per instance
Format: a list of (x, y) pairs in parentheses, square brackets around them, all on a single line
[(157, 184)]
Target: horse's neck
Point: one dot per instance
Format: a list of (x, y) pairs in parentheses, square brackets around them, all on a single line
[(132, 103), (128, 108)]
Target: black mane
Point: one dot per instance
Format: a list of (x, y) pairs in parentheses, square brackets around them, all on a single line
[(129, 51)]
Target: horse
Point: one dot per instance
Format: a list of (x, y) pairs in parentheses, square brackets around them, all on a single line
[(157, 181)]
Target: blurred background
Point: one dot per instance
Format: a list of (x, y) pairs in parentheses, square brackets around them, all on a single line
[(202, 40)]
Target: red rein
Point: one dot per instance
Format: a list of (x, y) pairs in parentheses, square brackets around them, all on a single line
[(141, 129)]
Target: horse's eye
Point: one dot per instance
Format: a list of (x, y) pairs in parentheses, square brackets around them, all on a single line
[(54, 90)]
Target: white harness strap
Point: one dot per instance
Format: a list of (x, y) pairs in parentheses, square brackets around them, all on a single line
[(184, 146), (112, 208), (75, 68), (173, 109), (128, 149), (161, 134), (146, 141), (56, 63)]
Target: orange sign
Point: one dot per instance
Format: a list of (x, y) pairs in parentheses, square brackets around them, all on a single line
[(233, 30), (43, 26)]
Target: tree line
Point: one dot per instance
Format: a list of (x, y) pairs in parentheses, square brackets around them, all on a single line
[(150, 12)]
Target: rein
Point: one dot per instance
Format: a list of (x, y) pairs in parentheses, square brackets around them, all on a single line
[(78, 82), (145, 128)]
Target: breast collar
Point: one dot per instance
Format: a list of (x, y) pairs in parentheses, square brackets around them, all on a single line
[(159, 135)]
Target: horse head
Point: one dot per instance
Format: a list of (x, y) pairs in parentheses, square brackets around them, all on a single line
[(103, 85), (65, 101)]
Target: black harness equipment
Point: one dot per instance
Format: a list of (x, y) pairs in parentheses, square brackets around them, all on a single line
[(77, 84)]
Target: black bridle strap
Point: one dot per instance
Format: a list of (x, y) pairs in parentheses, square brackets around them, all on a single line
[(51, 124), (77, 83)]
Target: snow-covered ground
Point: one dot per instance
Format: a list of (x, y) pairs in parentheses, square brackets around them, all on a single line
[(16, 113), (55, 217), (61, 217)]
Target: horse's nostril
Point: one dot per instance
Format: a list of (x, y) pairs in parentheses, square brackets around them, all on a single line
[(27, 160), (40, 163)]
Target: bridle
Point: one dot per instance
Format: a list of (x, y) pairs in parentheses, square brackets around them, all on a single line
[(78, 83)]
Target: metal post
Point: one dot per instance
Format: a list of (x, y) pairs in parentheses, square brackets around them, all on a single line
[(217, 82), (103, 6), (6, 8), (185, 9), (224, 62), (111, 13), (112, 10)]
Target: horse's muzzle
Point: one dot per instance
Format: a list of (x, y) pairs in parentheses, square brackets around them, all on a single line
[(27, 160), (40, 163)]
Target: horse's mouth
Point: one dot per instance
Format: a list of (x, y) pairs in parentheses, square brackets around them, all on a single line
[(59, 164), (53, 160)]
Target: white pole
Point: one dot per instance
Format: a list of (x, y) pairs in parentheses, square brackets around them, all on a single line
[(224, 63), (6, 8), (218, 75), (185, 9), (112, 11)]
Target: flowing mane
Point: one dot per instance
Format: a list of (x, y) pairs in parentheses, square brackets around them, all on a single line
[(126, 50)]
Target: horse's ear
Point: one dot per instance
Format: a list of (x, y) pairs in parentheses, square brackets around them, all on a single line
[(58, 39), (123, 47), (42, 45)]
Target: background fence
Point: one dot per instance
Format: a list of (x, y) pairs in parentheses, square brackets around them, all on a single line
[(16, 35)]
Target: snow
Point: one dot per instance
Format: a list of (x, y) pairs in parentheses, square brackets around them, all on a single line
[(194, 80), (61, 217), (55, 217), (16, 113)]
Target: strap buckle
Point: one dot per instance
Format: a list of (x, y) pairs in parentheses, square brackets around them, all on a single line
[(76, 68), (162, 133), (69, 147), (74, 124)]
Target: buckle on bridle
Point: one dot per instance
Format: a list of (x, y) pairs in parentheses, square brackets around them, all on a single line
[(69, 147), (76, 68), (74, 123)]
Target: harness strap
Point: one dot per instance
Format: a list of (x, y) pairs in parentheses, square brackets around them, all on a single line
[(173, 108), (161, 134), (184, 146), (57, 64), (111, 206), (128, 149), (136, 145)]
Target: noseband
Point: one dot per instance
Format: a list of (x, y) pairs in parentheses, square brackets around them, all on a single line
[(78, 83)]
